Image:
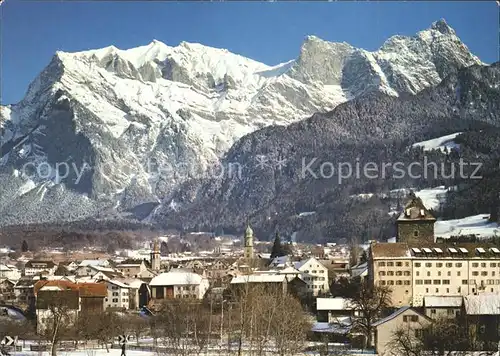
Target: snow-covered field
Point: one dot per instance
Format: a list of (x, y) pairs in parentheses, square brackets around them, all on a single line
[(439, 143), (477, 225)]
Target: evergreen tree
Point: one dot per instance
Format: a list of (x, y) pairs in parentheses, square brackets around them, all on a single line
[(278, 249), (24, 246)]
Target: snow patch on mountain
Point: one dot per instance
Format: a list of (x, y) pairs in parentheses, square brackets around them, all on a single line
[(443, 143), (478, 225)]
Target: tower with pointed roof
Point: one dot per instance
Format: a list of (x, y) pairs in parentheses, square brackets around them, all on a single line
[(248, 242), (416, 223), (155, 257)]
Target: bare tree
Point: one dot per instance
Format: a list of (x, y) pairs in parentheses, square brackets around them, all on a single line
[(442, 337), (370, 301)]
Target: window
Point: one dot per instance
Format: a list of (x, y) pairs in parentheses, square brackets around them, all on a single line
[(458, 273), (399, 283), (414, 318), (437, 290), (415, 233), (399, 264), (428, 264), (449, 273), (439, 264), (427, 281), (417, 264), (390, 264), (483, 265), (407, 264), (399, 273), (449, 264), (439, 273), (115, 294), (446, 281), (428, 274), (407, 273), (437, 281), (447, 290), (418, 281), (426, 290), (407, 283), (390, 273), (458, 265), (433, 311), (418, 333), (115, 300), (475, 273), (417, 273), (382, 283), (475, 265), (391, 283), (493, 265), (380, 264), (484, 273)]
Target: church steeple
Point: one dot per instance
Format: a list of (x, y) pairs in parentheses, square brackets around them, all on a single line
[(248, 242), (155, 257)]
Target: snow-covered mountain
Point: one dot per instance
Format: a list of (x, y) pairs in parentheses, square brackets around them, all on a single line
[(109, 131)]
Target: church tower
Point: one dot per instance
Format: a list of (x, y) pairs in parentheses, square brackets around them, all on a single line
[(155, 257), (248, 242)]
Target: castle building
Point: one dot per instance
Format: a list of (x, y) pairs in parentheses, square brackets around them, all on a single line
[(155, 257), (416, 270), (416, 223), (249, 253)]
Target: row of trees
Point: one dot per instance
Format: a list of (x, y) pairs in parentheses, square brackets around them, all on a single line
[(251, 321)]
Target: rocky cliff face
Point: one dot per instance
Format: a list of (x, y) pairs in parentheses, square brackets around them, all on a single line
[(114, 133)]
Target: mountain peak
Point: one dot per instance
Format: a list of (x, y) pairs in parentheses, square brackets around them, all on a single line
[(442, 26)]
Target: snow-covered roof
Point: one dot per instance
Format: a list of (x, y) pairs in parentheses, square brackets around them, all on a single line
[(396, 314), (94, 263), (435, 301), (176, 278), (337, 303), (482, 304), (118, 283), (259, 278)]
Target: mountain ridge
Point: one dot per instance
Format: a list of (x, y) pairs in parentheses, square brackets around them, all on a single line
[(183, 107)]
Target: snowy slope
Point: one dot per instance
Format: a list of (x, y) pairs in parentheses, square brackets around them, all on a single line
[(472, 225), (443, 143), (146, 119)]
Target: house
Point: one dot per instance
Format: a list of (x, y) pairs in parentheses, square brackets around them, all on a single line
[(404, 318), (331, 309), (32, 268), (270, 282), (314, 274), (52, 299), (117, 294), (93, 270), (443, 307), (95, 263), (7, 295), (24, 294), (10, 272), (360, 271), (135, 269), (91, 295), (482, 313), (178, 285)]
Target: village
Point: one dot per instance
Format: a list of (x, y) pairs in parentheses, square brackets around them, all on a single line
[(258, 297)]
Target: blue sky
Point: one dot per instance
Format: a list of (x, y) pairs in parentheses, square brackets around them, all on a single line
[(268, 32)]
